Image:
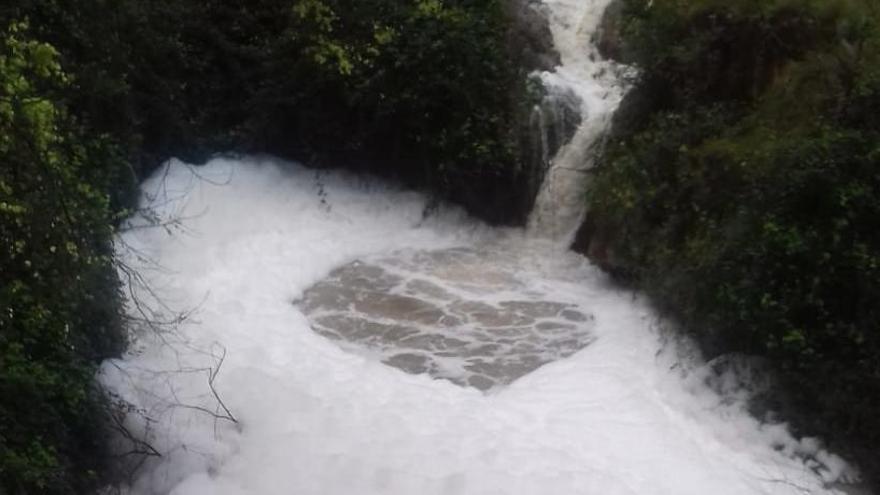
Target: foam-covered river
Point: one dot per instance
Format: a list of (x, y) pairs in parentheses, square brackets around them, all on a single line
[(364, 347), (319, 333)]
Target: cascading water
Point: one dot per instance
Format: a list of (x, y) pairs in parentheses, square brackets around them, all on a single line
[(524, 370), (561, 202)]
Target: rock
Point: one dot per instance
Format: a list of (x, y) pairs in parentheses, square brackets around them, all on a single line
[(594, 240), (530, 41), (543, 122), (551, 123), (609, 37)]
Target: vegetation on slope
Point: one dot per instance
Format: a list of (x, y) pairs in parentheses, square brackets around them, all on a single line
[(424, 90), (741, 189), (59, 296)]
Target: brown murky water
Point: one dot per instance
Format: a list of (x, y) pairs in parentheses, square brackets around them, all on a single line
[(471, 316)]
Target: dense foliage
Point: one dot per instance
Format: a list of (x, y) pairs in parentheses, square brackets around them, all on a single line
[(94, 95), (423, 90), (59, 295), (741, 188)]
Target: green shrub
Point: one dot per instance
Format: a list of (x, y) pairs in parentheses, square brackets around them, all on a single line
[(746, 198), (59, 297), (424, 90)]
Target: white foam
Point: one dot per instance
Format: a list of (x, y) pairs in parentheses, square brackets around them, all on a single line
[(616, 418)]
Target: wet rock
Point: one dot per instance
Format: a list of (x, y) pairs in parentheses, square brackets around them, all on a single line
[(609, 37), (552, 122), (596, 241), (530, 40)]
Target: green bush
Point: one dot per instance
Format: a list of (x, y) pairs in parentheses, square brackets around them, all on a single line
[(59, 298), (423, 90), (745, 198)]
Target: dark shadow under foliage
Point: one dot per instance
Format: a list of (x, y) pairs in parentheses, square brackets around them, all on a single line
[(741, 189), (59, 296), (424, 91)]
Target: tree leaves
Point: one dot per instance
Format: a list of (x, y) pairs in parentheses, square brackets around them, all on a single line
[(747, 197), (54, 223)]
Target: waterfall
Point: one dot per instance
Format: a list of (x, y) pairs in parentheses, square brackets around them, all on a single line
[(597, 83)]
